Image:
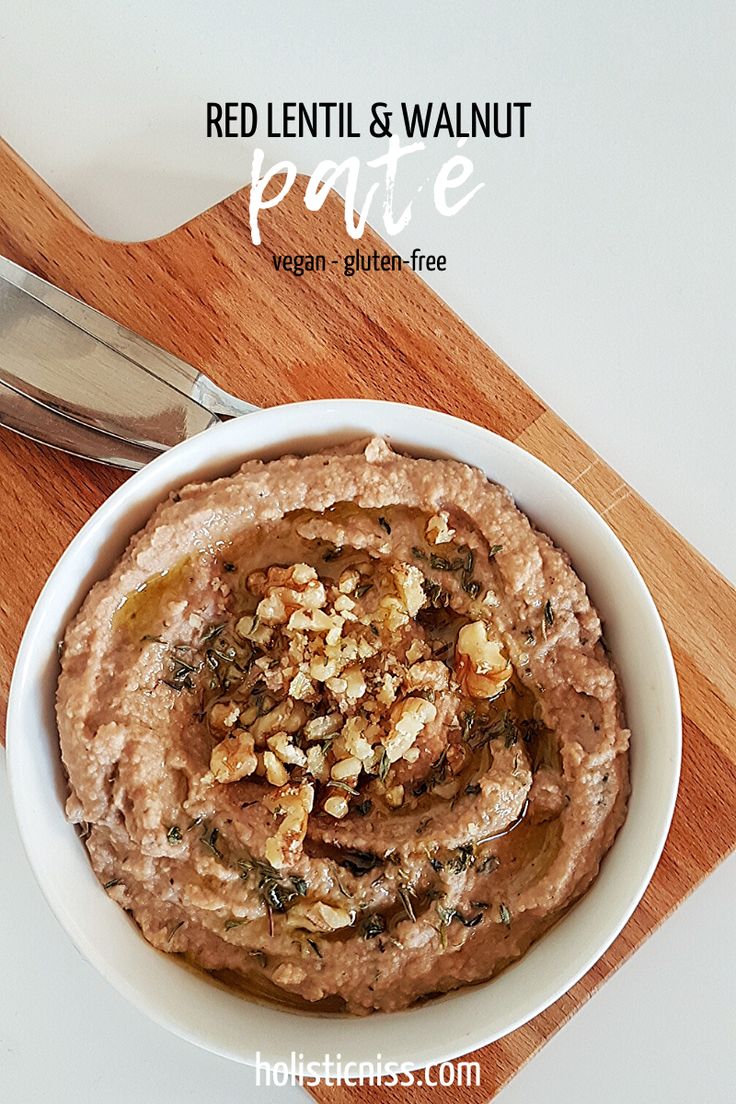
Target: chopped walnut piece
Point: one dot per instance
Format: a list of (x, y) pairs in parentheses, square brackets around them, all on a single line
[(294, 804), (348, 581), (256, 583), (317, 763), (234, 757), (344, 604), (337, 806), (355, 686), (276, 772), (321, 728), (347, 769), (409, 584), (480, 664), (395, 796), (223, 716), (251, 628), (315, 621), (389, 688), (417, 650), (438, 530), (282, 746), (301, 687), (408, 718), (319, 916), (429, 675), (288, 716), (289, 589)]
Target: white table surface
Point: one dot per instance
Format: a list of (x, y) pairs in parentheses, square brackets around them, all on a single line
[(598, 260)]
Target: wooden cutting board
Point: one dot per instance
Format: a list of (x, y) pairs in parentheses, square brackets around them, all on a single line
[(206, 293)]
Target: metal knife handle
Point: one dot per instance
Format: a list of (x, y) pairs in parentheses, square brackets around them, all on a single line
[(158, 362)]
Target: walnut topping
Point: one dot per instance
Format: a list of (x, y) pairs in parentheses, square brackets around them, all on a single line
[(409, 583), (337, 806), (430, 675), (319, 916), (341, 687), (395, 796), (223, 716), (234, 757), (287, 590), (294, 804), (408, 718), (480, 665), (348, 581), (438, 529)]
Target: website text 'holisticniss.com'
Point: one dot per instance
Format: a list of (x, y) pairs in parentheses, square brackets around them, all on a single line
[(332, 1070)]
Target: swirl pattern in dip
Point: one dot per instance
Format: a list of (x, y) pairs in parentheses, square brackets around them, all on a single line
[(342, 729)]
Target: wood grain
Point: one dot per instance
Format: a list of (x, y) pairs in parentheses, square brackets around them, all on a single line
[(206, 293)]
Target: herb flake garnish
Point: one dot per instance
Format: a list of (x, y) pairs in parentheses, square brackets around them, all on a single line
[(209, 839), (373, 925), (333, 553), (463, 858), (488, 864), (359, 862), (405, 893)]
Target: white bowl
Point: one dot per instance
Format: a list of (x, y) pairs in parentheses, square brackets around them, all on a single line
[(214, 1018)]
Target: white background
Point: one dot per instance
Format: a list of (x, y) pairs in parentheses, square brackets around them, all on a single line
[(598, 260)]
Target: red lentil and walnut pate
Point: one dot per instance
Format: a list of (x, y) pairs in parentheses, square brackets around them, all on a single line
[(342, 729)]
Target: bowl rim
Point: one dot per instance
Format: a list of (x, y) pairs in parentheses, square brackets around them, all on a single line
[(183, 462)]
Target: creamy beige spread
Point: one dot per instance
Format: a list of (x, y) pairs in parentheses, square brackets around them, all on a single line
[(342, 729)]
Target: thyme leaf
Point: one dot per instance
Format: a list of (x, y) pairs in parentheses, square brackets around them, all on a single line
[(404, 892), (359, 862), (333, 553), (373, 925), (209, 839), (174, 930), (463, 858)]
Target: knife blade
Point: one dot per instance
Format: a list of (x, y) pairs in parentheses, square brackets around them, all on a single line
[(33, 420), (54, 362), (183, 377)]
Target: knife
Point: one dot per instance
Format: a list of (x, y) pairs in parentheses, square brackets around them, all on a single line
[(67, 365), (31, 419)]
